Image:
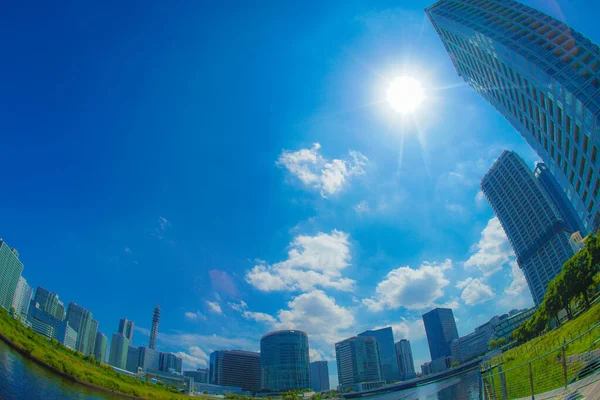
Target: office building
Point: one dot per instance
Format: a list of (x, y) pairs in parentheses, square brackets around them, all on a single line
[(60, 313), (506, 326), (387, 352), (80, 319), (235, 368), (46, 300), (441, 331), (41, 321), (10, 271), (200, 375), (284, 360), (154, 330), (475, 343), (440, 364), (100, 347), (319, 376), (558, 197), (406, 365), (542, 76), (22, 298), (358, 361), (425, 368), (169, 362), (119, 345), (535, 229), (126, 328), (66, 335), (149, 359), (133, 359)]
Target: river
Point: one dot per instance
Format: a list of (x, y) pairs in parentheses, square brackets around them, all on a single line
[(21, 378)]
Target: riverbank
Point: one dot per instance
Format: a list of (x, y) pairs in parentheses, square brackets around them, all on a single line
[(75, 366)]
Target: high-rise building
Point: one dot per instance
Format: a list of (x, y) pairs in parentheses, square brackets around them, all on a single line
[(235, 368), (200, 375), (358, 363), (440, 327), (542, 76), (133, 359), (319, 376), (119, 345), (560, 201), (100, 347), (406, 365), (92, 332), (80, 319), (66, 335), (10, 271), (126, 328), (154, 331), (284, 360), (22, 297), (60, 313), (49, 302), (535, 229), (41, 321), (149, 359), (387, 352), (169, 362)]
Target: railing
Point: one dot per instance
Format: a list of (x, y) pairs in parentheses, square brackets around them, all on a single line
[(563, 369)]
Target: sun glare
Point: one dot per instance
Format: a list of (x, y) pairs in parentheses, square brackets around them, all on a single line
[(405, 94)]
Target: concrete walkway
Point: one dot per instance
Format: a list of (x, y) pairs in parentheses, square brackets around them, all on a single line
[(588, 387)]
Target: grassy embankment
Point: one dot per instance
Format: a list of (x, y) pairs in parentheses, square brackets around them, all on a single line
[(77, 367), (548, 370)]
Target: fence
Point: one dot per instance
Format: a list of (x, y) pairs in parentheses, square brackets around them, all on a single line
[(566, 366)]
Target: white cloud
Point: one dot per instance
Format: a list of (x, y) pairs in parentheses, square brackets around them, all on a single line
[(258, 317), (163, 223), (414, 289), (313, 170), (517, 294), (362, 207), (197, 316), (214, 307), (160, 231), (194, 358), (493, 249), (239, 307), (480, 199), (312, 261), (455, 208), (315, 355), (474, 291), (412, 330), (127, 250)]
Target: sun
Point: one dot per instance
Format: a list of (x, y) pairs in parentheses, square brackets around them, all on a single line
[(405, 94)]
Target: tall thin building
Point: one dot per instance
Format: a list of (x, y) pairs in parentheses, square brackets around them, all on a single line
[(387, 352), (533, 225), (358, 363), (119, 345), (10, 271), (80, 320), (47, 301), (440, 327), (100, 347), (542, 76), (60, 313), (126, 328), (406, 364), (154, 331), (235, 368), (22, 297), (284, 360), (92, 332), (319, 376)]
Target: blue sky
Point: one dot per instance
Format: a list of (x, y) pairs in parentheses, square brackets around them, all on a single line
[(240, 166)]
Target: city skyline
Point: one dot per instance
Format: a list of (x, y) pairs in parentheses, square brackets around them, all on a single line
[(309, 196)]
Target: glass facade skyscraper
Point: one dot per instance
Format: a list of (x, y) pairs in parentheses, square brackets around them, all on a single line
[(80, 319), (235, 368), (406, 364), (10, 271), (100, 347), (119, 345), (533, 225), (387, 352), (440, 327), (284, 360), (358, 362), (22, 297), (126, 328), (319, 376), (542, 75)]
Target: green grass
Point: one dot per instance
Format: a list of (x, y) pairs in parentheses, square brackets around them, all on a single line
[(76, 365), (547, 370)]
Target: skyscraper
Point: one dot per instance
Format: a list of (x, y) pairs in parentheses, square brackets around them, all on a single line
[(10, 271), (100, 347), (92, 332), (441, 331), (284, 360), (66, 335), (119, 345), (60, 313), (542, 75), (359, 363), (126, 328), (80, 319), (387, 352), (170, 362), (564, 207), (235, 368), (319, 376), (535, 229), (406, 364), (154, 331), (22, 297), (47, 300)]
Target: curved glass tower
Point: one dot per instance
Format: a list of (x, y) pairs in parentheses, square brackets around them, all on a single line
[(284, 360)]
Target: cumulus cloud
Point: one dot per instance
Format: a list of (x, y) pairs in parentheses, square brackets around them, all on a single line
[(327, 176), (193, 358), (214, 307), (517, 294), (412, 330), (492, 251), (312, 261), (479, 199), (413, 289), (474, 291), (258, 316), (194, 316)]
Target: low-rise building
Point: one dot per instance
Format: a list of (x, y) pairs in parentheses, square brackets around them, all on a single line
[(506, 326), (440, 364), (200, 375), (474, 344)]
